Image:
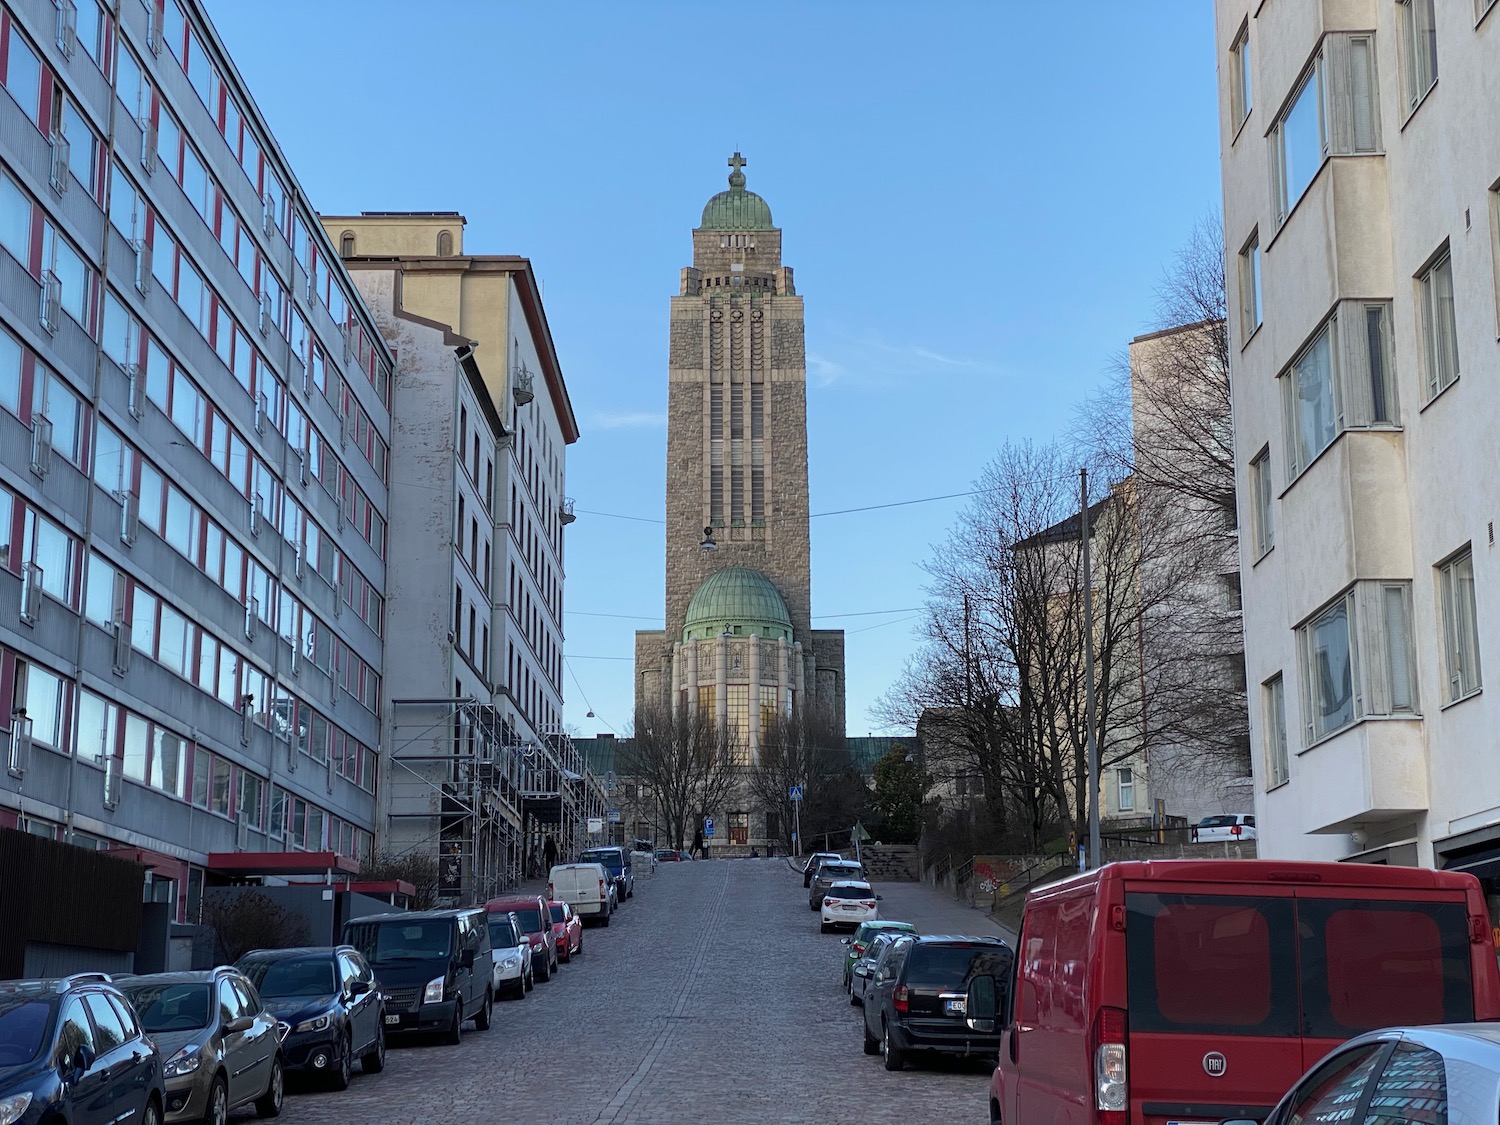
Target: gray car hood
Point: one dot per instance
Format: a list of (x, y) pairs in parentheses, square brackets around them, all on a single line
[(170, 1042)]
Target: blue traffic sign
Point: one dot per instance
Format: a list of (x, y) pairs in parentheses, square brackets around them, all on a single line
[(708, 826), (795, 792)]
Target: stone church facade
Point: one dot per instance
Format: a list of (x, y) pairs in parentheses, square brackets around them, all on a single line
[(738, 634)]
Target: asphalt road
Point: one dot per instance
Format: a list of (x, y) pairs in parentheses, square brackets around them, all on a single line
[(711, 997)]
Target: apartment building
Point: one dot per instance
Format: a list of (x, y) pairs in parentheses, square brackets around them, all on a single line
[(481, 468), (1361, 218), (194, 413)]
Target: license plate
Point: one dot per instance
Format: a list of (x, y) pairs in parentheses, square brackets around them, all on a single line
[(959, 1007), (1175, 1121), (392, 1019)]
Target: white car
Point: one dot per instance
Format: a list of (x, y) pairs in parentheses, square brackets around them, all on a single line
[(511, 953), (847, 903), (1233, 827)]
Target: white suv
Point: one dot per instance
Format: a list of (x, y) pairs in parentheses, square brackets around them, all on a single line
[(1225, 826)]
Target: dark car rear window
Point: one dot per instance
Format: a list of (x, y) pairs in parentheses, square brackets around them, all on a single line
[(557, 913), (531, 920), (1231, 965), (849, 890), (952, 966)]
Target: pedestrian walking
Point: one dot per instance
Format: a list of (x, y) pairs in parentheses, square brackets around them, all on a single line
[(549, 852), (698, 844)]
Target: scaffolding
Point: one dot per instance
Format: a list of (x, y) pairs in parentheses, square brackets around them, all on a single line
[(465, 789)]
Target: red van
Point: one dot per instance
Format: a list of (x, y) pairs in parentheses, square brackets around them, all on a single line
[(1184, 992)]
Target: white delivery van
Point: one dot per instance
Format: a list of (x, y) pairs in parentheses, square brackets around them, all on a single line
[(586, 887)]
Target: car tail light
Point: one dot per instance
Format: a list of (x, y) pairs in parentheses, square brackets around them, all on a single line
[(1111, 1072), (870, 902), (551, 894), (829, 901), (601, 888), (898, 998)]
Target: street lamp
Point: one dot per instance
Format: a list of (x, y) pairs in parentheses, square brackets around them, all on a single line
[(707, 542)]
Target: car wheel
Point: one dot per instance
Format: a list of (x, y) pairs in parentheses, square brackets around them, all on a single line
[(580, 943), (530, 979), (343, 1066), (995, 1113), (373, 1061), (482, 1017), (605, 920), (269, 1103), (151, 1115), (824, 927), (872, 1045), (895, 1057), (546, 974), (806, 880), (630, 893), (454, 1035), (217, 1112)]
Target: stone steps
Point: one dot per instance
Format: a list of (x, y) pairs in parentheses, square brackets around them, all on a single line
[(890, 862)]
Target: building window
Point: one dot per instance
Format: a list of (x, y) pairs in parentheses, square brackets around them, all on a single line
[(1460, 624), (1260, 502), (1312, 402), (1278, 769), (1328, 663), (1250, 286), (1439, 327), (1125, 788), (1350, 673), (1419, 48), (1239, 81), (444, 243), (346, 244), (1301, 140)]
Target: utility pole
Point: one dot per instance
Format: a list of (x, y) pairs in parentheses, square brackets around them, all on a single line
[(1088, 669)]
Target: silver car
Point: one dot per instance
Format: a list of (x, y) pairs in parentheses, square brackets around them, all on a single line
[(1447, 1074), (829, 872), (511, 952), (864, 968)]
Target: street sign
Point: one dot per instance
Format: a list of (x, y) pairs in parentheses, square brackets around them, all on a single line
[(795, 792), (596, 824), (708, 826), (859, 833), (614, 816)]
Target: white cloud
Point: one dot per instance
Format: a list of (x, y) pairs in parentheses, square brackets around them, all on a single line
[(876, 364)]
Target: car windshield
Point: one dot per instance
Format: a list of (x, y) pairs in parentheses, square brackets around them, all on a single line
[(502, 934), (305, 976), (396, 940), (531, 920), (611, 860), (23, 1025), (950, 966), (1216, 821), (170, 1007), (557, 912), (850, 890)]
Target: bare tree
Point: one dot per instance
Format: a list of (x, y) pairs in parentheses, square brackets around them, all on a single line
[(416, 868), (246, 920), (807, 748), (682, 757)]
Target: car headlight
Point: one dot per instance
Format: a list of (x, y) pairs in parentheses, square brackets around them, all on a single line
[(511, 962), (183, 1062), (13, 1107), (433, 993), (317, 1023)]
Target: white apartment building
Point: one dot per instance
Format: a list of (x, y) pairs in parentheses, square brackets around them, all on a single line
[(1361, 165)]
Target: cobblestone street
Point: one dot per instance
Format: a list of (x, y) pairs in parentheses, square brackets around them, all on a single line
[(712, 996)]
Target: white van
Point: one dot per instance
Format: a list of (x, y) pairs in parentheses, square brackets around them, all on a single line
[(586, 887)]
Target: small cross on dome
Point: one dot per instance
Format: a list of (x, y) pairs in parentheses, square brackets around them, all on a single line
[(737, 177)]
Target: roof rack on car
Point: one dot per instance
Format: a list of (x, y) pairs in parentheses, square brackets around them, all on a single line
[(82, 978)]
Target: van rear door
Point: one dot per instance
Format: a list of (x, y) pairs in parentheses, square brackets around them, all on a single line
[(1385, 958), (1211, 981)]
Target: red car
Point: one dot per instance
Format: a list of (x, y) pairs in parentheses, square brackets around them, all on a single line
[(567, 930), (536, 922), (668, 855)]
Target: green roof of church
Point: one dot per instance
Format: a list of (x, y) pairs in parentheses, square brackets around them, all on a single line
[(739, 599), (737, 209)]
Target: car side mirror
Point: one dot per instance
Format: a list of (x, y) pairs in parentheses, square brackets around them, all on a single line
[(846, 941), (980, 1004), (880, 898), (359, 987), (83, 1058), (239, 1023)]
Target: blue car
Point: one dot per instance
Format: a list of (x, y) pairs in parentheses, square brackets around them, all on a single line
[(617, 862), (72, 1050)]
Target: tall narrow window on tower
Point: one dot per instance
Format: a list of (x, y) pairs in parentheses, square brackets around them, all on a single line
[(716, 455), (757, 455)]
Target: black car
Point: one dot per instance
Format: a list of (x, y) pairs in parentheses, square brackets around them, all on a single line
[(330, 1003), (435, 967), (917, 999), (72, 1050)]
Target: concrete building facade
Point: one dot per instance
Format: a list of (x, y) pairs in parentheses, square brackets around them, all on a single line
[(194, 409), (480, 769), (1361, 223), (738, 636)]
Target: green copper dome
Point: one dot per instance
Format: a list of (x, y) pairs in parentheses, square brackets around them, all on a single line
[(740, 599), (737, 209)]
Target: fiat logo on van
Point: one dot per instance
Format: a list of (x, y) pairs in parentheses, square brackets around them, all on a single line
[(1215, 1064)]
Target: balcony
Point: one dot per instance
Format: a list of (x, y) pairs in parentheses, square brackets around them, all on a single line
[(1374, 771)]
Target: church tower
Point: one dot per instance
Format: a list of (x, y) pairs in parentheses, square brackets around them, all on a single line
[(739, 634)]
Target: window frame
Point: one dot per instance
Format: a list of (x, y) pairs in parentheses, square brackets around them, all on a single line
[(1241, 91), (1312, 74), (1251, 310), (1307, 655), (1416, 84), (1456, 689), (1278, 750), (1125, 784), (1428, 312)]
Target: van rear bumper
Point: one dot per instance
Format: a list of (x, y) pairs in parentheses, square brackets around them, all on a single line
[(1209, 1112), (587, 909)]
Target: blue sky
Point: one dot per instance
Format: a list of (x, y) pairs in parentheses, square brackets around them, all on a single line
[(979, 200)]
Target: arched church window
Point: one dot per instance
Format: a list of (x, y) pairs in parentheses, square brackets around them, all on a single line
[(346, 244), (445, 243)]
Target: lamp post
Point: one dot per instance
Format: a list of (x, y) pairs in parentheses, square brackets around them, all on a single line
[(1088, 669)]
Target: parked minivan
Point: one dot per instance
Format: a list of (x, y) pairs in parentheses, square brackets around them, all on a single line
[(434, 966), (1198, 990), (586, 887)]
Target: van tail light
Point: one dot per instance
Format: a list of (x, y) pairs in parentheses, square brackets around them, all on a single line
[(601, 888), (1111, 1072), (898, 998)]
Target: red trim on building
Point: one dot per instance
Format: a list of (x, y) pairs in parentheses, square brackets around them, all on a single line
[(281, 863)]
